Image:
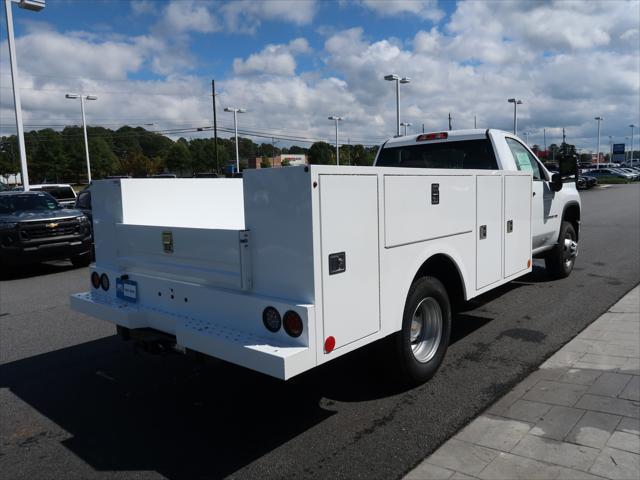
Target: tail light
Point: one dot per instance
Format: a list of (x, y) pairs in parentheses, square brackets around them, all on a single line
[(104, 282), (432, 136), (292, 324), (271, 319), (95, 280)]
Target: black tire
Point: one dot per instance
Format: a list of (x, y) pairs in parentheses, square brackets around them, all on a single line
[(80, 261), (413, 370), (559, 262)]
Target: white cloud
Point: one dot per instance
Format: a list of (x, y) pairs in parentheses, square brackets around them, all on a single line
[(247, 15), (425, 9), (272, 60), (181, 16), (142, 7), (468, 65)]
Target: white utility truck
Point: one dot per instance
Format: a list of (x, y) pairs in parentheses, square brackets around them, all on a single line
[(289, 268)]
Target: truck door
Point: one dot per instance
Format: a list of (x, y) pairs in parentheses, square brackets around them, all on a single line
[(543, 221), (350, 256)]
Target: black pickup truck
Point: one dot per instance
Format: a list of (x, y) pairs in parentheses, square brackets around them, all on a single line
[(35, 228)]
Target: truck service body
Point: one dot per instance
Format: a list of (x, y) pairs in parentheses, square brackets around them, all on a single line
[(289, 268)]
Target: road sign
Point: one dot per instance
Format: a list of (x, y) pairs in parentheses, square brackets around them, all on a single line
[(618, 148)]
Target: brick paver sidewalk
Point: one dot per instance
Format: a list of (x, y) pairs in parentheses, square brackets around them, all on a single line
[(576, 417)]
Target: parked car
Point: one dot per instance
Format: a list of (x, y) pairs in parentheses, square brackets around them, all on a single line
[(591, 181), (34, 227), (83, 202), (63, 193), (604, 174), (164, 175), (630, 171)]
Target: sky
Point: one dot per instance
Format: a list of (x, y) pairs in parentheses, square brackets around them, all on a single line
[(292, 64)]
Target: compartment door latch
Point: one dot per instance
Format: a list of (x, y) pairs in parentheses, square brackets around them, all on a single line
[(337, 263)]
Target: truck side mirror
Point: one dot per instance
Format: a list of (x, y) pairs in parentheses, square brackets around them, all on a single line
[(556, 182)]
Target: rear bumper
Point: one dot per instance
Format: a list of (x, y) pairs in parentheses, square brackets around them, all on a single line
[(260, 353)]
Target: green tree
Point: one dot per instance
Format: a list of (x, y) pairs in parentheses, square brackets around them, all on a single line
[(178, 159), (295, 149), (103, 161), (321, 153)]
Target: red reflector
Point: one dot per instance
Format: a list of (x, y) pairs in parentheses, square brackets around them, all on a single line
[(292, 323), (95, 280), (432, 136), (329, 344)]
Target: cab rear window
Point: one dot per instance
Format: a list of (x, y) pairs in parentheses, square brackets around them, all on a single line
[(59, 193), (464, 154)]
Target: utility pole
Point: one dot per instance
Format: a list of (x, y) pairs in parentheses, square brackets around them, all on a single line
[(475, 124), (215, 124), (544, 134), (423, 128), (349, 151), (450, 119), (273, 151)]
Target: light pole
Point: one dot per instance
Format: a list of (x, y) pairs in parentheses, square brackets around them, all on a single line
[(35, 5), (82, 98), (598, 119), (632, 127), (526, 136), (336, 119), (235, 112), (405, 125), (610, 148), (398, 80), (515, 113)]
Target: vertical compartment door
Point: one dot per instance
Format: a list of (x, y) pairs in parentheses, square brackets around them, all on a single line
[(488, 230), (350, 267), (517, 224)]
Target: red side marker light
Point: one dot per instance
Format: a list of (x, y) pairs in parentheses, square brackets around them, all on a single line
[(329, 344), (432, 136)]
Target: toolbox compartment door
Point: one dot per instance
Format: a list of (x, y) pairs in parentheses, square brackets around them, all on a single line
[(488, 230), (210, 256), (516, 225), (350, 256)]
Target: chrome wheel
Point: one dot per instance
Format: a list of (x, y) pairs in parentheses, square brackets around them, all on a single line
[(426, 329), (569, 250)]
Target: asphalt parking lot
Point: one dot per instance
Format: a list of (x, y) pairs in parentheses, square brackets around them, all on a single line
[(76, 402)]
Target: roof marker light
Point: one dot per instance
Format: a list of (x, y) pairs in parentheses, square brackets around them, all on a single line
[(432, 136)]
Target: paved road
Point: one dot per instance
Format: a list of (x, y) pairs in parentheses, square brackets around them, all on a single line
[(75, 402)]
